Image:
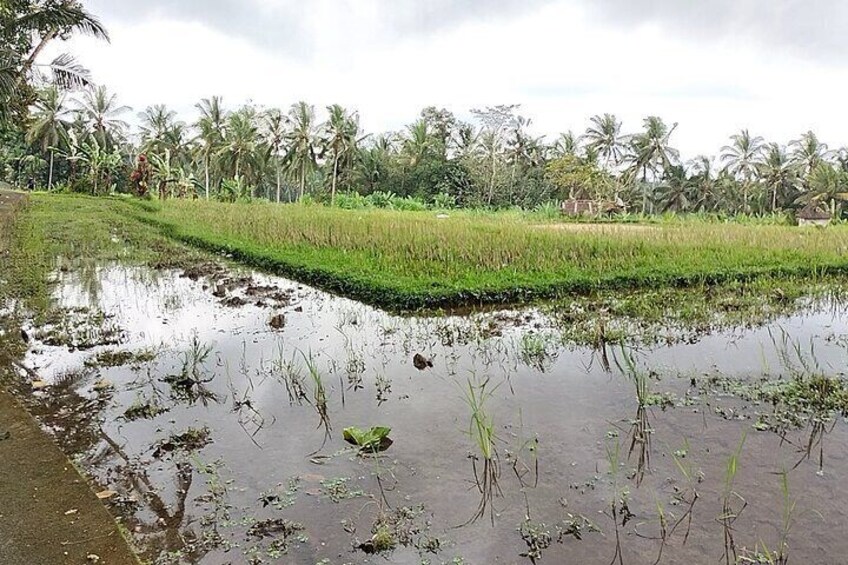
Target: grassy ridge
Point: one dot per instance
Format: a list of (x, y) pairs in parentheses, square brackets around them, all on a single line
[(410, 260), (78, 231)]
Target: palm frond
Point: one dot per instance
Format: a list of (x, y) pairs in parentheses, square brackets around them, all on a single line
[(63, 17), (68, 73)]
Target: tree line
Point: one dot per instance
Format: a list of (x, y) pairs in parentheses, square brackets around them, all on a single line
[(61, 132)]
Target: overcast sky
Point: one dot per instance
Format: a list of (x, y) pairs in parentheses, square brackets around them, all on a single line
[(777, 67)]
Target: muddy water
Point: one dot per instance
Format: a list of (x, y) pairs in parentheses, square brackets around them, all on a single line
[(247, 435)]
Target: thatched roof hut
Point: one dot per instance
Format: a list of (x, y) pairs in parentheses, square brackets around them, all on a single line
[(813, 214)]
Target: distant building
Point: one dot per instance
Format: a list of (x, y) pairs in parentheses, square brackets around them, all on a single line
[(576, 208), (813, 214)]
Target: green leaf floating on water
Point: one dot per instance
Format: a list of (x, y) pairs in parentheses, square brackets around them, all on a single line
[(373, 439)]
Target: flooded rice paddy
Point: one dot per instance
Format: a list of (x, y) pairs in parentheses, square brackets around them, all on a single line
[(209, 407)]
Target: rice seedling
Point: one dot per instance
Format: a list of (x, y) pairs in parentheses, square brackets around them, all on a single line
[(663, 530), (248, 415), (190, 384), (289, 373), (687, 496), (619, 510), (319, 397), (762, 555), (536, 350), (641, 431), (732, 506), (807, 399), (486, 460)]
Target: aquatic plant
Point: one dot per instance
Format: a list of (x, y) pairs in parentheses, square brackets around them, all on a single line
[(486, 460), (732, 506), (371, 440)]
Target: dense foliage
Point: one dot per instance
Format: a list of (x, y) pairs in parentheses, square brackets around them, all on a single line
[(61, 133)]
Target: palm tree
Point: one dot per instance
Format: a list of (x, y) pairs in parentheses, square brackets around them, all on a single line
[(28, 28), (776, 173), (49, 124), (100, 111), (274, 131), (566, 144), (673, 191), (340, 139), (743, 155), (827, 184), (417, 145), (807, 153), (604, 136), (703, 184), (157, 122), (241, 140), (741, 159), (300, 159), (651, 150), (211, 127)]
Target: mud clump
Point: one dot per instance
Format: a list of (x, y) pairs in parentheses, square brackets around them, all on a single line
[(274, 527), (120, 358), (277, 321), (234, 302), (193, 439), (421, 363), (197, 272)]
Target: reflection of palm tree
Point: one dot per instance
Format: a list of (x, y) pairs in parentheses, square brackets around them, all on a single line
[(49, 125), (169, 517)]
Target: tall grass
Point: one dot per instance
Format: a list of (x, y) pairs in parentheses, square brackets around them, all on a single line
[(414, 259)]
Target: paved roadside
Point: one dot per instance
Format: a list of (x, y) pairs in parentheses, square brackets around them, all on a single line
[(48, 513)]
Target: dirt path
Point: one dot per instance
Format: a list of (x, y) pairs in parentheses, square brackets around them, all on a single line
[(48, 512)]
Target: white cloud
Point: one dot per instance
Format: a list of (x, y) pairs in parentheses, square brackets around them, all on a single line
[(562, 63)]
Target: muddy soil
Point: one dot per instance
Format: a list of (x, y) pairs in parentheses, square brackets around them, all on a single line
[(216, 417)]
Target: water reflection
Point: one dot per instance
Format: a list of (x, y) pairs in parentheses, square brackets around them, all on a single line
[(223, 443)]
